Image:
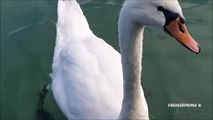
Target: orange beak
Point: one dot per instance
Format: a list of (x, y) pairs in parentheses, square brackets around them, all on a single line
[(179, 31)]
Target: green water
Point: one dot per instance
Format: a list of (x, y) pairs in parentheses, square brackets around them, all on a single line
[(171, 73)]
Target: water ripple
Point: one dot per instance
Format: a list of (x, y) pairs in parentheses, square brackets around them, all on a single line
[(19, 29), (82, 2)]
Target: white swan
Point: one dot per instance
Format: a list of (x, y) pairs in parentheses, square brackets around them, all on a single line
[(88, 81)]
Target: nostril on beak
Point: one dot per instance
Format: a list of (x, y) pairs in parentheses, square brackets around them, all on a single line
[(181, 28)]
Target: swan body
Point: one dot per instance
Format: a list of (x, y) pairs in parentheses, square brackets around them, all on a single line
[(87, 73), (90, 79)]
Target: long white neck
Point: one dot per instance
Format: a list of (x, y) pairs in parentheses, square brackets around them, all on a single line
[(130, 39)]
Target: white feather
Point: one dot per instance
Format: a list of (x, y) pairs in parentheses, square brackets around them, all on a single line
[(87, 76)]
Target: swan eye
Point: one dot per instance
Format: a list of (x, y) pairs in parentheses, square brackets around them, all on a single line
[(169, 15), (160, 8), (181, 28)]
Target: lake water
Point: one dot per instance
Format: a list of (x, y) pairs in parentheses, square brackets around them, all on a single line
[(171, 73)]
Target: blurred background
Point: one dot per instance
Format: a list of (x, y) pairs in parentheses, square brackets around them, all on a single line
[(171, 73)]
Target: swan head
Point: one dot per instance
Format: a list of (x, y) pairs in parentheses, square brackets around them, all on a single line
[(163, 14)]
